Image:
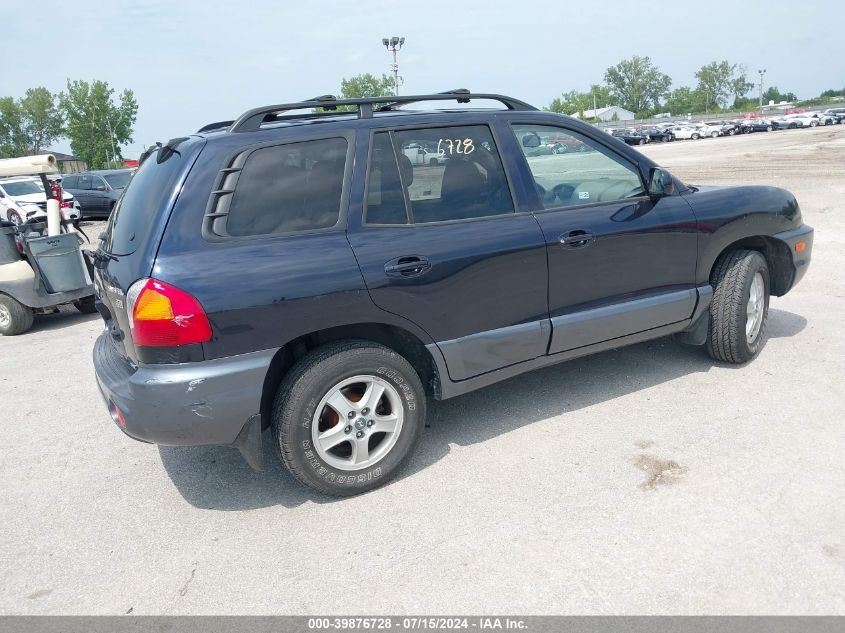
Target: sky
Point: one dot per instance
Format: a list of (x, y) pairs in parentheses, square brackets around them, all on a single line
[(192, 62)]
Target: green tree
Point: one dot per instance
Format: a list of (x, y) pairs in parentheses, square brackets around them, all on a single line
[(740, 85), (364, 85), (718, 81), (773, 94), (11, 129), (714, 81), (573, 102), (637, 84), (97, 126), (41, 119), (686, 100)]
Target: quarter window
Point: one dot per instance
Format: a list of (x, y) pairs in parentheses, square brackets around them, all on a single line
[(288, 188), (570, 169), (443, 174)]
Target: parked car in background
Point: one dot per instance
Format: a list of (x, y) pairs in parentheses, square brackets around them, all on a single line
[(563, 144), (424, 155), (24, 199), (806, 118), (823, 118), (759, 125), (97, 191), (684, 132), (658, 134), (788, 123), (837, 113), (726, 128), (631, 137)]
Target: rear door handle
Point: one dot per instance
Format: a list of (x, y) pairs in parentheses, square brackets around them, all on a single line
[(408, 266), (576, 238)]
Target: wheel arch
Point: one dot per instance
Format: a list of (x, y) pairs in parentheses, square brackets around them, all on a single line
[(778, 258), (400, 340)]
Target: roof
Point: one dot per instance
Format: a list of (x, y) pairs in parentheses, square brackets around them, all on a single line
[(64, 157), (599, 111)]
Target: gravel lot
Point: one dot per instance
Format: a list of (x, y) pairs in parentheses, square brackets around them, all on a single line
[(643, 480)]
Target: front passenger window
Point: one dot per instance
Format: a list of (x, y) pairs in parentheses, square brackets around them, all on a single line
[(570, 169)]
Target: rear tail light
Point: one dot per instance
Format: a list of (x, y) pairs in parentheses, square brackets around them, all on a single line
[(161, 315)]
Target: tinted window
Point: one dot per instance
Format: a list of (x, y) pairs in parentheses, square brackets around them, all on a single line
[(385, 192), (118, 181), (70, 182), (448, 173), (578, 171), (84, 183), (153, 185), (96, 181), (285, 188)]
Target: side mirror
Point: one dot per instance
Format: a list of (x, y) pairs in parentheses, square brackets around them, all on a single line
[(101, 187), (660, 183), (531, 140)]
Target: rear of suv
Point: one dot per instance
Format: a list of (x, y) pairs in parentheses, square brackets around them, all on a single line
[(294, 276)]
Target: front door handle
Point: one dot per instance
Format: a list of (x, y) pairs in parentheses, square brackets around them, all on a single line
[(576, 238), (408, 266)]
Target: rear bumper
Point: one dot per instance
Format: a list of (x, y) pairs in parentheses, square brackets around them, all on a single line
[(188, 404), (800, 260)]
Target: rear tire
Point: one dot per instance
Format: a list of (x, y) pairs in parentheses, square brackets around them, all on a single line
[(344, 372), (15, 318), (740, 306)]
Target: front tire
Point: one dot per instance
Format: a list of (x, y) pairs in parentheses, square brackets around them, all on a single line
[(15, 218), (347, 415), (15, 318), (740, 306)]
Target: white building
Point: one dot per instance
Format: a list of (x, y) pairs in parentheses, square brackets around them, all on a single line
[(606, 114)]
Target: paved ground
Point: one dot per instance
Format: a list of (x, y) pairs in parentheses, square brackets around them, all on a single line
[(643, 480)]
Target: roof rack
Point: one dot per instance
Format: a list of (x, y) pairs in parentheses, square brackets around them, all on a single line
[(219, 125), (251, 120)]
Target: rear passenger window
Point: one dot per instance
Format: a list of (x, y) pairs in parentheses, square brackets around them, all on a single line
[(435, 175), (288, 188)]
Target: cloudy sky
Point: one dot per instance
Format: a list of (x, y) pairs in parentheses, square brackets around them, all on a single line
[(192, 62)]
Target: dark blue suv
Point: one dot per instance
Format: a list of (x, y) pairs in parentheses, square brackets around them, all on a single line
[(319, 269)]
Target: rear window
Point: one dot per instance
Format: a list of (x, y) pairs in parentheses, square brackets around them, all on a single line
[(289, 188), (150, 193)]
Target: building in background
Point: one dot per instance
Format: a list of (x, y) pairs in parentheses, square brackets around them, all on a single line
[(607, 114), (68, 163)]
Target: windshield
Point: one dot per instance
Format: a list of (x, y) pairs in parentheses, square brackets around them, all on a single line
[(22, 187), (118, 181)]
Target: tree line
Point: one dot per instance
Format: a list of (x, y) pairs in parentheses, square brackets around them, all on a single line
[(97, 125), (637, 84)]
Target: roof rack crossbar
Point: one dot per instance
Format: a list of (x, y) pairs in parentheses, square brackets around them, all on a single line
[(251, 120)]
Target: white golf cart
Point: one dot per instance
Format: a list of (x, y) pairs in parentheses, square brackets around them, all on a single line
[(42, 265)]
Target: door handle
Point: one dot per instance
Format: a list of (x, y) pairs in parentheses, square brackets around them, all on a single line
[(576, 238), (409, 266)]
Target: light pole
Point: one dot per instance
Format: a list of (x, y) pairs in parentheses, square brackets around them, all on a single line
[(761, 72), (393, 44)]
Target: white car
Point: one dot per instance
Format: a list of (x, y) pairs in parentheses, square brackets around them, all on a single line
[(23, 199), (805, 119), (420, 155), (682, 132)]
